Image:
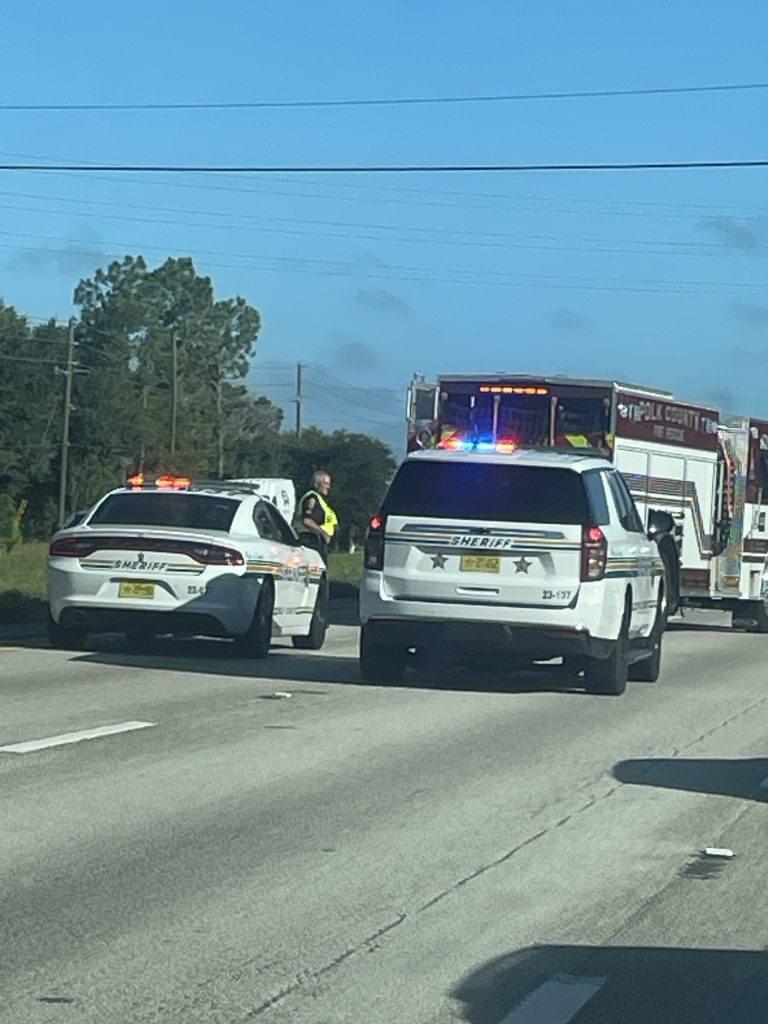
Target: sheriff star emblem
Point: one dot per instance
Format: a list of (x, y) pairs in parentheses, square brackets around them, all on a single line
[(523, 565), (438, 561)]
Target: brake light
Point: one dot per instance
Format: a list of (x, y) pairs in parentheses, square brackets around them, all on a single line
[(373, 556), (70, 547), (594, 553), (212, 554), (205, 554)]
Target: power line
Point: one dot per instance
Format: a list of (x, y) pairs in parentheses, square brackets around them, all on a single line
[(445, 236), (401, 101), (644, 165)]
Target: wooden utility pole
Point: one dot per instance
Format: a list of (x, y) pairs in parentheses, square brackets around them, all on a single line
[(299, 396), (69, 374), (174, 391), (219, 425)]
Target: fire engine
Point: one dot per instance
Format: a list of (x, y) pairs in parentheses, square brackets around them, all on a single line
[(707, 472)]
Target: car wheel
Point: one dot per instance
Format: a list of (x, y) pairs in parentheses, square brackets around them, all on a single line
[(649, 669), (318, 627), (379, 663), (66, 639), (608, 676), (256, 642)]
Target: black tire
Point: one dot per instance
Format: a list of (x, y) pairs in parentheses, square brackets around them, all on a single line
[(256, 642), (318, 627), (649, 669), (379, 663), (669, 556), (66, 639), (608, 676), (757, 611)]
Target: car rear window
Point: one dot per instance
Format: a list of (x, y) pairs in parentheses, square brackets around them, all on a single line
[(462, 490), (183, 511)]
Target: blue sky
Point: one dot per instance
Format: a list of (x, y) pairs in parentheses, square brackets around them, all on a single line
[(660, 278)]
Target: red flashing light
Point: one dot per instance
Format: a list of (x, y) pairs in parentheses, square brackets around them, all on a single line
[(136, 480), (376, 523), (505, 446), (450, 444)]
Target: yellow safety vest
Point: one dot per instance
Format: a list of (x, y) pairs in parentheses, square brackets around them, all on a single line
[(331, 522)]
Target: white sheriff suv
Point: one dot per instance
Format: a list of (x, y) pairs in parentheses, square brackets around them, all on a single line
[(532, 554), (175, 557)]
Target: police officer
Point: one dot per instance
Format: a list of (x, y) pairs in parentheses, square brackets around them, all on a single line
[(318, 521)]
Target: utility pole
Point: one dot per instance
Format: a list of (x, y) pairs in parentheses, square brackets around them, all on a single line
[(219, 425), (299, 396), (174, 392), (69, 374)]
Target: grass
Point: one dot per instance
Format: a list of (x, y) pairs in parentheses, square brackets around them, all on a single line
[(345, 572), (23, 582)]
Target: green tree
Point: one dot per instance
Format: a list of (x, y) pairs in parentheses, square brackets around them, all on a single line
[(361, 467), (163, 364)]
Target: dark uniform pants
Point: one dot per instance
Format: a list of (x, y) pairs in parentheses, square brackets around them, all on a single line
[(311, 540)]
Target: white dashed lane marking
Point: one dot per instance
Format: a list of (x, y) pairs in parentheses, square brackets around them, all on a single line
[(29, 746), (557, 1001)]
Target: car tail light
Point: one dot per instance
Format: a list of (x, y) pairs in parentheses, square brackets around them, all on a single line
[(71, 547), (373, 557), (594, 553), (212, 554)]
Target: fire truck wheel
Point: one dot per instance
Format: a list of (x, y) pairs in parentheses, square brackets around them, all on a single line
[(757, 612), (669, 557)]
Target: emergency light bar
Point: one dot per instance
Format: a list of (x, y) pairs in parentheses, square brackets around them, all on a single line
[(504, 446), (167, 482), (507, 389)]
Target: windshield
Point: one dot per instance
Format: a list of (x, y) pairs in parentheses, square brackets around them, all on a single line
[(513, 494), (526, 419), (182, 511)]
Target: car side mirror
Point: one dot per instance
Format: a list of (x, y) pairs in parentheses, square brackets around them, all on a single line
[(660, 522)]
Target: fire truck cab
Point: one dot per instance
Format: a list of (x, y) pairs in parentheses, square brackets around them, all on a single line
[(700, 483)]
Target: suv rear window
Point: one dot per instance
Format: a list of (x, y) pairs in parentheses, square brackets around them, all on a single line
[(183, 511), (462, 490)]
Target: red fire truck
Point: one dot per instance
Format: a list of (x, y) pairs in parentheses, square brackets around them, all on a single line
[(710, 475)]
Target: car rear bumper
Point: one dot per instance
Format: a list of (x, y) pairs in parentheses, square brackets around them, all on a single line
[(459, 637), (129, 620)]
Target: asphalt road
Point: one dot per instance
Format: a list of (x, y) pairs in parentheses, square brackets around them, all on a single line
[(489, 848)]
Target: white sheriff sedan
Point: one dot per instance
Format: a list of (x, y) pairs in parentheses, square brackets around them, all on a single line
[(190, 559)]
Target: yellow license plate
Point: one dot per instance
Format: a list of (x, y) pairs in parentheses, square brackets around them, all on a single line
[(144, 591), (480, 563)]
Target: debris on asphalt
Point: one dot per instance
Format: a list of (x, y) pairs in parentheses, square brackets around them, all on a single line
[(281, 694), (716, 851)]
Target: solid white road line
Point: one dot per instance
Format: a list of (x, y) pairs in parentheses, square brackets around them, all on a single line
[(555, 1002), (28, 746)]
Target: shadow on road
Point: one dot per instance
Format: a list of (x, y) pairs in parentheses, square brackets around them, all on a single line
[(740, 777), (619, 985), (216, 657)]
